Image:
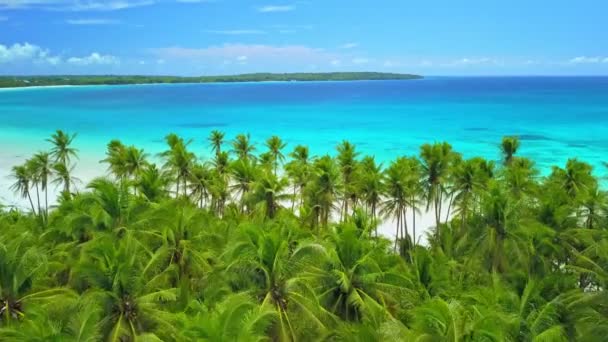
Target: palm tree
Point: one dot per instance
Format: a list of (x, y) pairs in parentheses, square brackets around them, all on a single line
[(236, 318), (370, 186), (269, 192), (436, 161), (275, 269), (135, 162), (509, 147), (116, 159), (323, 190), (152, 184), (63, 176), (465, 185), (298, 171), (126, 289), (242, 147), (178, 161), (21, 262), (42, 169), (359, 281), (62, 150), (396, 202), (216, 139), (23, 182), (200, 183), (244, 173), (275, 145), (347, 162)]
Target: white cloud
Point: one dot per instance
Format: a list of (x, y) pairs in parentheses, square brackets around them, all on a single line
[(349, 45), (236, 32), (360, 60), (276, 8), (336, 62), (587, 60), (94, 59), (26, 52), (262, 53), (91, 21), (75, 5), (241, 58), (160, 61)]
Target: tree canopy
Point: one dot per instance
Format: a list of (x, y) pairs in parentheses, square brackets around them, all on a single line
[(262, 244)]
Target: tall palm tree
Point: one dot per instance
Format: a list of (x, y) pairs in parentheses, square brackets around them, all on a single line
[(242, 146), (200, 183), (509, 147), (298, 171), (275, 145), (152, 184), (178, 161), (62, 151), (323, 190), (269, 192), (370, 186), (396, 202), (436, 161), (347, 162), (64, 176), (135, 162), (216, 139), (43, 170), (23, 183), (465, 185), (244, 173), (116, 159)]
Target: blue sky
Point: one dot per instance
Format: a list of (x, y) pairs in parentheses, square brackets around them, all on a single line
[(210, 37)]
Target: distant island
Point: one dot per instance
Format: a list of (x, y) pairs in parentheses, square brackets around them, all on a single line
[(57, 80)]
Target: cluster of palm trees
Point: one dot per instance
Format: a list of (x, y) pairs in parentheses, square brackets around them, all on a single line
[(46, 168), (249, 246)]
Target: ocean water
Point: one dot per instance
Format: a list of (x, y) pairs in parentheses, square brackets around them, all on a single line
[(555, 117)]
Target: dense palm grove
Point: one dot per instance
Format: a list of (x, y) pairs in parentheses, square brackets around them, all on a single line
[(260, 244)]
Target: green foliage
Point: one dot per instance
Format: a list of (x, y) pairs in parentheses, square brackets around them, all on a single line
[(32, 81), (281, 247)]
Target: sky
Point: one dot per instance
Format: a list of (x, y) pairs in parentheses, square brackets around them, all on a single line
[(217, 37)]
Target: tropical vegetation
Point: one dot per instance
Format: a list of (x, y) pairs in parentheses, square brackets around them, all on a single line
[(271, 243)]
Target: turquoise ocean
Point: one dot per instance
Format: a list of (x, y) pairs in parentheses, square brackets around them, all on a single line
[(556, 118)]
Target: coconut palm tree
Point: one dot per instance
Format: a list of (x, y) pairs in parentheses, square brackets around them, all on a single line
[(242, 147), (200, 183), (298, 171), (131, 296), (244, 173), (268, 193), (347, 162), (42, 168), (23, 183), (397, 201), (323, 190), (275, 268), (62, 151), (275, 145), (509, 147), (178, 161), (64, 176), (236, 318), (436, 161), (116, 159), (370, 186), (216, 139), (359, 281), (152, 184)]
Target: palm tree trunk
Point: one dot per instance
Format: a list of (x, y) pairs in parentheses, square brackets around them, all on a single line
[(397, 230), (38, 198), (447, 215), (414, 222), (29, 197)]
